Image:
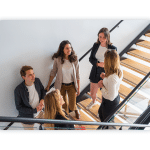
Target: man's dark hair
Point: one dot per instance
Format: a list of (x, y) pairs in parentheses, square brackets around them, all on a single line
[(24, 69)]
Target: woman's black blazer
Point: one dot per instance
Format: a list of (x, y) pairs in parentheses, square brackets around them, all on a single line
[(93, 59)]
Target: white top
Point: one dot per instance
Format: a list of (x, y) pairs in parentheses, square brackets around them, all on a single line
[(111, 86), (33, 97), (100, 53), (67, 71)]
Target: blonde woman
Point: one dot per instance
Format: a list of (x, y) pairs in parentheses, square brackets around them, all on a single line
[(97, 60), (53, 110), (66, 70), (110, 84)]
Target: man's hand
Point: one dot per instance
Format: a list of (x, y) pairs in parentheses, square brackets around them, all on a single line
[(40, 106), (42, 102)]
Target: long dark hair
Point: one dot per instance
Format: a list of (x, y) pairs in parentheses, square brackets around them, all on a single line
[(107, 36), (60, 53)]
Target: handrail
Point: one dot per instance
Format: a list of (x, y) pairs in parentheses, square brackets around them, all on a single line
[(144, 118), (135, 40), (55, 121), (125, 100)]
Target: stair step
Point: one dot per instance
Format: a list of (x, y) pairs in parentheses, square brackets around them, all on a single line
[(99, 95), (131, 78), (83, 117), (124, 91), (147, 34), (137, 99), (93, 111), (138, 67), (145, 44), (130, 119), (140, 54)]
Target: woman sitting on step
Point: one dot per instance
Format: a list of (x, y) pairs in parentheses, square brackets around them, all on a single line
[(110, 84), (53, 110)]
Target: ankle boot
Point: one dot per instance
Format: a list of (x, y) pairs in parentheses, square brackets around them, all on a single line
[(77, 114)]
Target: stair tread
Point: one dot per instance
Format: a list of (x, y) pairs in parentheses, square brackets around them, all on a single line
[(138, 67), (124, 90), (145, 44), (93, 111), (131, 78), (83, 117), (147, 34), (140, 54)]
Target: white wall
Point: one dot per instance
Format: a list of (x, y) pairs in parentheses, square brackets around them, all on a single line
[(32, 42), (126, 32)]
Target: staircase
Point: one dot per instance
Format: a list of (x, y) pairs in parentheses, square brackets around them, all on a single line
[(136, 64)]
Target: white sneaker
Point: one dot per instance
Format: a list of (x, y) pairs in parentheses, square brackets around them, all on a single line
[(98, 115), (90, 105)]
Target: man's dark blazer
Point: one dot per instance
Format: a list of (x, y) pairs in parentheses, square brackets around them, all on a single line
[(94, 61), (22, 98)]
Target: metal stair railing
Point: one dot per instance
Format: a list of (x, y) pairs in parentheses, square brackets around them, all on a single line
[(135, 40), (54, 121)]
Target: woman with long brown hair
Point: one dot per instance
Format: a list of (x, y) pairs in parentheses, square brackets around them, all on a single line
[(110, 84), (97, 60), (53, 110), (66, 67)]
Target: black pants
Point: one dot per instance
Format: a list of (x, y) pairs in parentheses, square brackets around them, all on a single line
[(107, 107)]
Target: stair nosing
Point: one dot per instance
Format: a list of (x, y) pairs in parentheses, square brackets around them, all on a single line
[(134, 68), (147, 59)]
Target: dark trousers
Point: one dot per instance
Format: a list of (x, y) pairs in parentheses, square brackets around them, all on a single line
[(107, 107)]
